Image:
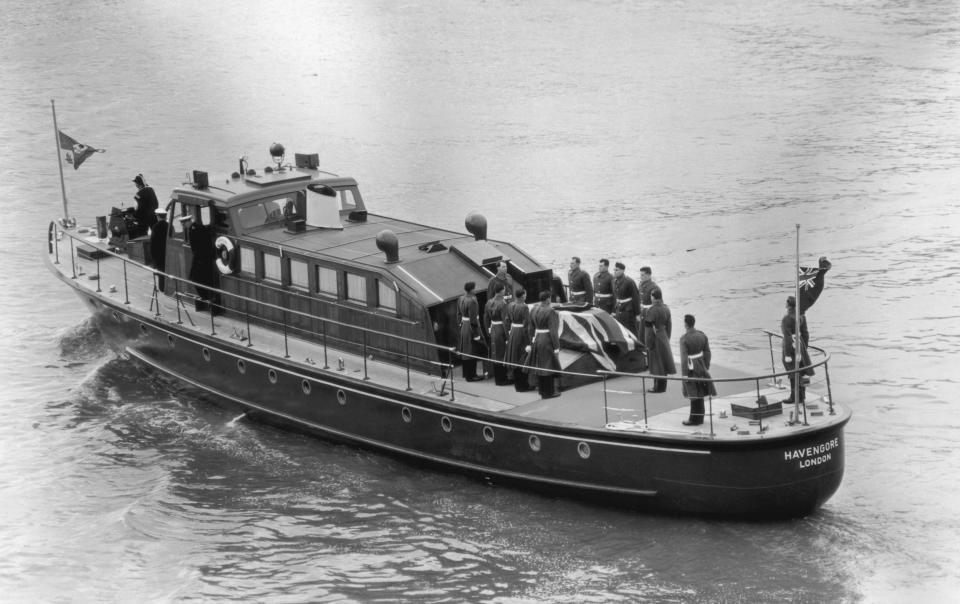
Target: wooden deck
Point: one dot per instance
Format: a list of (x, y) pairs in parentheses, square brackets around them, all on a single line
[(621, 404)]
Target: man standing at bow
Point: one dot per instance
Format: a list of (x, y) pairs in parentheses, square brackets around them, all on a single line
[(659, 326), (695, 363), (581, 289), (789, 331), (147, 204)]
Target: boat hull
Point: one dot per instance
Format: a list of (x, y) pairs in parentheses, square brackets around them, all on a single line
[(755, 478)]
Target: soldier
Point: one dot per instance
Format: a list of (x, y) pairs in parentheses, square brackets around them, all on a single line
[(659, 327), (603, 287), (518, 318), (581, 289), (544, 346), (645, 286), (627, 298), (147, 204), (788, 329), (500, 281), (471, 341), (695, 363), (494, 314)]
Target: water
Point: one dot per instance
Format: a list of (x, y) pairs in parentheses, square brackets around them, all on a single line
[(689, 136)]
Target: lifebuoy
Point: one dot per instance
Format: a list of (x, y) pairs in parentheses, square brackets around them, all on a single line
[(225, 255)]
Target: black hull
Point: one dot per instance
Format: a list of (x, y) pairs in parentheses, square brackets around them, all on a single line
[(759, 478)]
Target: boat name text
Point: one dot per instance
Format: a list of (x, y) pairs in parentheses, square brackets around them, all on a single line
[(812, 456)]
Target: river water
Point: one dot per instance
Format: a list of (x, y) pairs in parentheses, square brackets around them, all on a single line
[(690, 136)]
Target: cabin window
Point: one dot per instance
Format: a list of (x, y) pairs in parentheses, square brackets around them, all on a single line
[(327, 281), (386, 296), (299, 275), (248, 262), (263, 212), (356, 288), (271, 266), (348, 200)]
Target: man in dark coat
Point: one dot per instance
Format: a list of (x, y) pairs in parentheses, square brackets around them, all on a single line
[(146, 200), (494, 314), (603, 287), (544, 345), (695, 363), (471, 339), (501, 280), (203, 268), (788, 329), (158, 245), (581, 288), (627, 298), (646, 285), (518, 319), (659, 355)]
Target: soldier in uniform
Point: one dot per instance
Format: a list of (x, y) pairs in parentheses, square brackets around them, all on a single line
[(471, 340), (659, 326), (494, 314), (517, 320), (544, 345), (203, 271), (603, 287), (645, 286), (788, 329), (581, 289), (500, 281), (695, 363), (626, 298)]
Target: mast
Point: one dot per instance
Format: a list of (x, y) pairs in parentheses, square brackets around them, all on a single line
[(796, 334), (56, 140)]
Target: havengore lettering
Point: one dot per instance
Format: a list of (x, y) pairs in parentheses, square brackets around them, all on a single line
[(814, 455)]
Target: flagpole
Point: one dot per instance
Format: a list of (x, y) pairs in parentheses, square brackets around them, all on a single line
[(56, 140), (796, 332)]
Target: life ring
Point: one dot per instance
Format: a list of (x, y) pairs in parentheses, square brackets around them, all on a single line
[(225, 255)]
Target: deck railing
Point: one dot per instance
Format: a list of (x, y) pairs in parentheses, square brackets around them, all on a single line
[(443, 369)]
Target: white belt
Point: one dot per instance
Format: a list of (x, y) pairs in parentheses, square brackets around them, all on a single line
[(624, 300), (541, 331), (645, 306), (515, 325), (465, 320), (603, 295), (695, 356), (583, 293), (496, 322)]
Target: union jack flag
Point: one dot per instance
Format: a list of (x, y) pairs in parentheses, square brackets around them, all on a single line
[(810, 281)]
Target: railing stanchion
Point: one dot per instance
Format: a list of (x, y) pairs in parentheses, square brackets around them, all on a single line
[(126, 287), (710, 402), (826, 371), (452, 395), (323, 323), (643, 391), (606, 414), (286, 344), (246, 311), (176, 296), (56, 243), (773, 366), (213, 328), (407, 343), (365, 376), (73, 258), (98, 274), (759, 409)]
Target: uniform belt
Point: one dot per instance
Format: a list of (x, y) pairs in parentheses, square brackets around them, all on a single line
[(645, 306), (496, 322), (541, 331), (690, 360), (583, 293), (695, 356), (603, 295), (625, 300), (515, 325), (465, 320)]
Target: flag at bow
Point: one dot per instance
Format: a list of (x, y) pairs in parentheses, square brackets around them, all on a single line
[(810, 281), (77, 152)]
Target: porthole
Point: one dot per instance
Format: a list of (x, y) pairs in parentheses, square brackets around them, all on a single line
[(143, 327), (446, 424), (488, 434), (116, 315), (583, 449), (305, 386), (272, 375), (534, 441), (341, 397), (206, 354), (406, 414), (241, 366), (171, 341)]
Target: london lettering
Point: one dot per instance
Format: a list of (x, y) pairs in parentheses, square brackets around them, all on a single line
[(812, 456)]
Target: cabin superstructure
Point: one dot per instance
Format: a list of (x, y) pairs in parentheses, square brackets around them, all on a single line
[(300, 238)]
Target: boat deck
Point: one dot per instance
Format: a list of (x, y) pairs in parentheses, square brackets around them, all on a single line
[(619, 405)]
